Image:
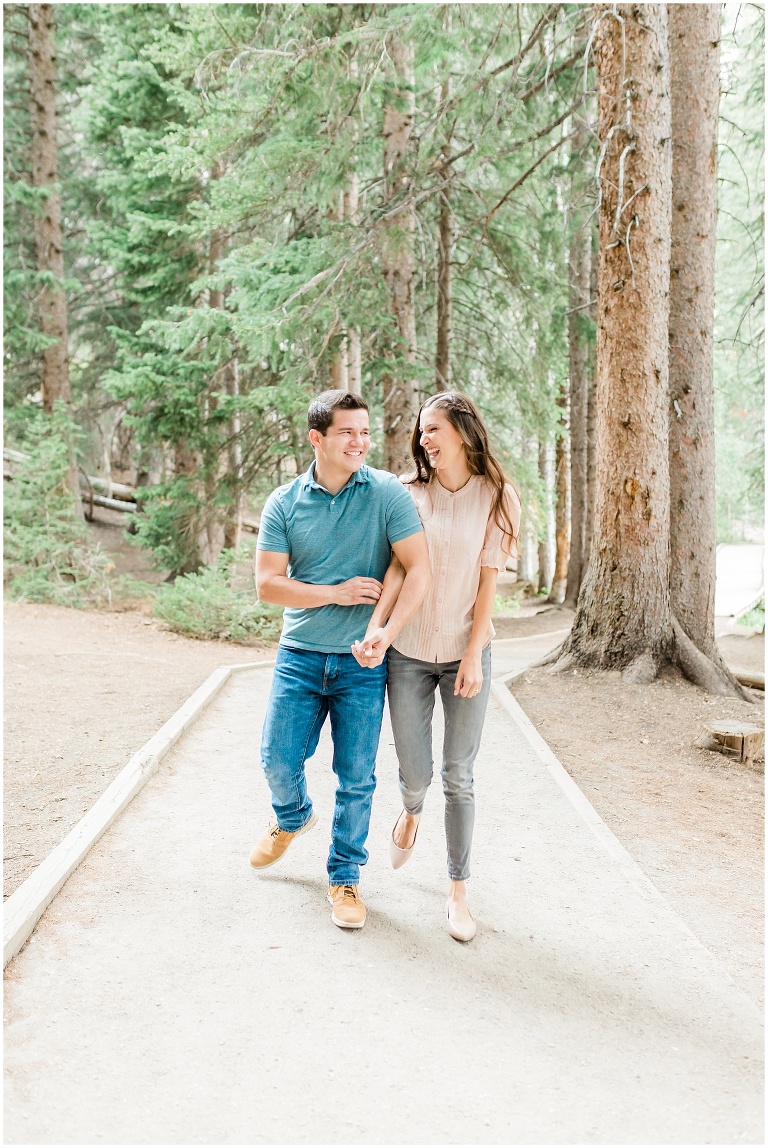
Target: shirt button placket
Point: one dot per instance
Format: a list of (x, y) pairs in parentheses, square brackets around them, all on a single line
[(443, 575)]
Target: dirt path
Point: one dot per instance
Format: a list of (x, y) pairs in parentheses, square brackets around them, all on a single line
[(84, 691)]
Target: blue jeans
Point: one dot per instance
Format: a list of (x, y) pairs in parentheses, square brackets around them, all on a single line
[(306, 688), (411, 687)]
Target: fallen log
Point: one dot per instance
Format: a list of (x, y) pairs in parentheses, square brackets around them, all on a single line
[(115, 491), (752, 678), (112, 503)]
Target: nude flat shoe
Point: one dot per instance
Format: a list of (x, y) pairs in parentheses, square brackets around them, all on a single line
[(460, 930), (399, 856)]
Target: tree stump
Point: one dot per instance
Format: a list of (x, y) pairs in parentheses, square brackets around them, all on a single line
[(738, 740)]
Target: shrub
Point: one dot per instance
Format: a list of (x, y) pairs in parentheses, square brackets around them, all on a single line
[(509, 606), (48, 554), (754, 617), (205, 605)]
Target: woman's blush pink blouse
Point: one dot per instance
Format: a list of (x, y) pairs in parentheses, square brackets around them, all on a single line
[(462, 535)]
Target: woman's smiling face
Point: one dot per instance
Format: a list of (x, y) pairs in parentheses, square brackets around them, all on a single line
[(441, 441)]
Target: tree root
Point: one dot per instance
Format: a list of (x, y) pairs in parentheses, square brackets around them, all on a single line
[(712, 676), (549, 658), (564, 662), (642, 671)]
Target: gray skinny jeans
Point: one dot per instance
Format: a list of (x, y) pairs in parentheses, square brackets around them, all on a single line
[(411, 686)]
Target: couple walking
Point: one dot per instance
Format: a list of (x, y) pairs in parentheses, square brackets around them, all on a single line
[(386, 583)]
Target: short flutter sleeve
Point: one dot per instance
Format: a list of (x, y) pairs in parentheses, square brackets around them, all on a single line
[(498, 547)]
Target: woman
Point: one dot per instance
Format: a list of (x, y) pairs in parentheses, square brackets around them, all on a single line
[(471, 518)]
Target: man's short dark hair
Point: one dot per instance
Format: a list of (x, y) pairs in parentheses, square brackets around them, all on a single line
[(321, 409)]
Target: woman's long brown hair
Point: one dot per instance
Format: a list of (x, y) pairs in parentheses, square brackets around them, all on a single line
[(465, 418)]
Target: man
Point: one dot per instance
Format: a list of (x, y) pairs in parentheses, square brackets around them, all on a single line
[(325, 543)]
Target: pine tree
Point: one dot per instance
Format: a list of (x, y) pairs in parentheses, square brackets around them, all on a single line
[(400, 387), (623, 619), (694, 38)]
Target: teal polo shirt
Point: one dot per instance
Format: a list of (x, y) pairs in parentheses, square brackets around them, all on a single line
[(332, 537)]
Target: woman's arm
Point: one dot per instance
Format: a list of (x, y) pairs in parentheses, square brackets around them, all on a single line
[(469, 679), (404, 595), (391, 587)]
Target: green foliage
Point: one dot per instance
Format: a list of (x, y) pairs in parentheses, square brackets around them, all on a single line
[(166, 524), (48, 554), (739, 350), (206, 605), (210, 273), (754, 617), (509, 606)]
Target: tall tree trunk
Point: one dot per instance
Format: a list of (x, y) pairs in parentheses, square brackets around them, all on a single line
[(579, 266), (347, 364), (339, 374), (44, 157), (400, 393), (623, 618), (562, 508), (222, 525), (591, 416), (45, 174), (694, 45), (233, 523), (544, 579), (443, 379), (444, 293)]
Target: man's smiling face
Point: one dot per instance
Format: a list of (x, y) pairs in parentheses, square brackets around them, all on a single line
[(345, 444)]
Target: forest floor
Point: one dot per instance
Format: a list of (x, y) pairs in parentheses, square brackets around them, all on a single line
[(691, 818), (85, 689)]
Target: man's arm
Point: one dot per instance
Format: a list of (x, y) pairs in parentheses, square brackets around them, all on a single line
[(413, 556), (273, 585)]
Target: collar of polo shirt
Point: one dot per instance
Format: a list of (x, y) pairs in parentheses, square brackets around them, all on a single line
[(310, 482)]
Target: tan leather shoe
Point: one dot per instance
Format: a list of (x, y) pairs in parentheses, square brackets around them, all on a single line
[(347, 908), (275, 842)]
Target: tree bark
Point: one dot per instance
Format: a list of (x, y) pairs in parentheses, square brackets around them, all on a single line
[(44, 155), (44, 161), (591, 415), (346, 364), (233, 523), (544, 580), (694, 44), (579, 267), (443, 378), (623, 620), (562, 508), (400, 394), (222, 526)]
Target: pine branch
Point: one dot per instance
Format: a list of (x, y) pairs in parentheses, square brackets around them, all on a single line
[(517, 184)]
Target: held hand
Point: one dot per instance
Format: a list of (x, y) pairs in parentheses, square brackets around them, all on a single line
[(469, 679), (371, 651), (357, 592)]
